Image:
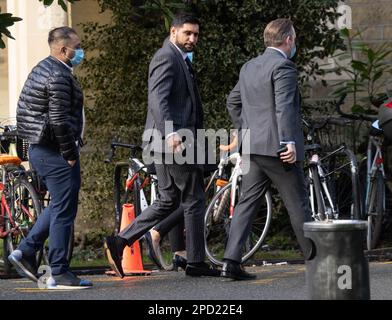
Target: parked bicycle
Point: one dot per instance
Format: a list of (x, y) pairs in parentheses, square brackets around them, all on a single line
[(136, 183), (24, 196), (372, 175), (20, 204), (332, 177), (220, 210)]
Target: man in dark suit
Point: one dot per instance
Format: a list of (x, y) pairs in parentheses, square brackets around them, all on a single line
[(174, 104), (265, 105)]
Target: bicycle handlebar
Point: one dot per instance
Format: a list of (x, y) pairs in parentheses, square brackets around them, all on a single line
[(133, 147), (9, 133), (12, 134)]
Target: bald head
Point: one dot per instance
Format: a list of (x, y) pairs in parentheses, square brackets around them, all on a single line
[(62, 42), (61, 35)]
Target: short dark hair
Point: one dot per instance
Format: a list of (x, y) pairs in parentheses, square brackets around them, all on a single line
[(277, 31), (182, 17), (59, 34)]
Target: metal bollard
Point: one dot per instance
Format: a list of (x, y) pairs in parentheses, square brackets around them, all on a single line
[(338, 269)]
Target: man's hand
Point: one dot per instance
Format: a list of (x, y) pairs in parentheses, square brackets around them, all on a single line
[(174, 143), (71, 162), (290, 155)]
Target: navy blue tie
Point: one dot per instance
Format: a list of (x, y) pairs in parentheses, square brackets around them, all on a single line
[(189, 64)]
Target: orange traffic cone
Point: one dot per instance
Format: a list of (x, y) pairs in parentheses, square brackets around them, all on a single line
[(132, 258)]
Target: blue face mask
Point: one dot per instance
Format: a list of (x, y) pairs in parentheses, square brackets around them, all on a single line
[(78, 57), (190, 56), (293, 50)]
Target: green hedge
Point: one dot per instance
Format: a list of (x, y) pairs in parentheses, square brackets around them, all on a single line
[(118, 55)]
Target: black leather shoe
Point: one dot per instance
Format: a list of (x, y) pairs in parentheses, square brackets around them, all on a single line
[(179, 261), (114, 250), (235, 271), (151, 250), (201, 269)]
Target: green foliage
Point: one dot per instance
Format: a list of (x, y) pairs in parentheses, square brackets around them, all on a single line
[(165, 8), (6, 21), (62, 3), (366, 66), (118, 56)]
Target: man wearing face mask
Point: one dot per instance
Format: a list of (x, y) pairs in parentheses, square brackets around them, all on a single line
[(173, 97), (50, 117), (265, 105)]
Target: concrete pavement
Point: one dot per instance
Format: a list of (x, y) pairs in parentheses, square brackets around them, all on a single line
[(274, 282)]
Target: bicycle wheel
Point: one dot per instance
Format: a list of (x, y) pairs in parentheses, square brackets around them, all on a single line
[(375, 211), (25, 208), (217, 226), (341, 186), (318, 193), (165, 254)]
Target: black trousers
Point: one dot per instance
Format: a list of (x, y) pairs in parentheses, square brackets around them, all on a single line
[(174, 226), (178, 185), (174, 223), (291, 186)]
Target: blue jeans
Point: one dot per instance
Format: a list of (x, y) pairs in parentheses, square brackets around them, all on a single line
[(55, 222)]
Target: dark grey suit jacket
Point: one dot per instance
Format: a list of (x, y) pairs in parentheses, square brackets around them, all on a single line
[(266, 101), (172, 93)]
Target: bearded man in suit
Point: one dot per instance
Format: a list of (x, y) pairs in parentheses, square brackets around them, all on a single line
[(174, 105)]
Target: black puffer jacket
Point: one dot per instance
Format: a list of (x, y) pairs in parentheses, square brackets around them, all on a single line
[(50, 108)]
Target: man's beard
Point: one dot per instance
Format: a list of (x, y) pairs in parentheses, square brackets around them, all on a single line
[(182, 47)]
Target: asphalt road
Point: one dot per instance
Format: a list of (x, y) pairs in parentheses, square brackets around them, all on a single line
[(274, 282)]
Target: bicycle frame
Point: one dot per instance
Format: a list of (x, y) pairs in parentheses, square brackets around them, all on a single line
[(315, 180), (374, 163), (331, 211), (134, 169), (6, 211), (221, 210), (235, 174)]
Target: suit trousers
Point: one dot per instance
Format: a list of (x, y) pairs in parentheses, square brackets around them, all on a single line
[(174, 226), (174, 223), (55, 222), (291, 186), (178, 185)]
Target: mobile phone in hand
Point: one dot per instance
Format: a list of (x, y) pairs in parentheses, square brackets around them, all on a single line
[(287, 166)]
